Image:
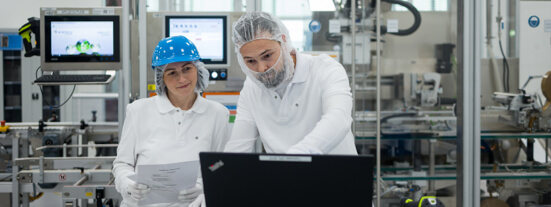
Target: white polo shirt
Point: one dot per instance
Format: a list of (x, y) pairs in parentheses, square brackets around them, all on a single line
[(314, 115), (156, 132)]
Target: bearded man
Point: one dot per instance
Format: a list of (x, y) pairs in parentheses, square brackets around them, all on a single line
[(295, 103)]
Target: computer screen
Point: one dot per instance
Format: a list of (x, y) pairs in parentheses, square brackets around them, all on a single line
[(80, 41), (89, 39), (208, 33), (251, 180)]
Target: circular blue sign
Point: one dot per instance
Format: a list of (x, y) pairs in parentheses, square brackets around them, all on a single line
[(315, 26), (534, 21)]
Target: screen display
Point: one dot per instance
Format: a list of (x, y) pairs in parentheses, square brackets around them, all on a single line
[(208, 33), (82, 39)]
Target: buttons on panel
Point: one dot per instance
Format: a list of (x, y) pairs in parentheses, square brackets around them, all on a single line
[(218, 74)]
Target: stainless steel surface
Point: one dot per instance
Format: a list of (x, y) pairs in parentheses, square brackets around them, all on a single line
[(98, 176), (6, 187), (74, 146), (25, 178), (51, 163), (89, 192)]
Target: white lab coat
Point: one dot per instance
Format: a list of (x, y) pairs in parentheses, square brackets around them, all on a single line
[(156, 132), (313, 117)]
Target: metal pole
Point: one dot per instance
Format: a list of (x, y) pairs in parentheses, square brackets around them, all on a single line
[(468, 108), (475, 96), (64, 149), (461, 137), (15, 170), (489, 20), (111, 181), (81, 180), (353, 17), (126, 52), (378, 21), (85, 177), (124, 74), (546, 151), (432, 143), (41, 168), (142, 35)]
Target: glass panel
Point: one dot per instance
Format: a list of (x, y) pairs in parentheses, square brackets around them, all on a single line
[(295, 15), (441, 5), (191, 5), (514, 123), (425, 5), (209, 5), (418, 88), (11, 64)]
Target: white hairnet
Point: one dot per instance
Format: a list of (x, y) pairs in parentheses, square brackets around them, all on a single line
[(261, 25), (202, 77)]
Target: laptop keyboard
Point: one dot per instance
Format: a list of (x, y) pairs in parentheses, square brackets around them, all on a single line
[(72, 78)]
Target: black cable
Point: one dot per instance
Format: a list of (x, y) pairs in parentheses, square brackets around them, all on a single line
[(505, 69), (404, 135), (42, 93), (384, 119), (416, 18), (5, 178)]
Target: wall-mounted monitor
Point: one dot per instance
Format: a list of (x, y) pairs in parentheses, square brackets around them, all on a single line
[(80, 39), (209, 33)]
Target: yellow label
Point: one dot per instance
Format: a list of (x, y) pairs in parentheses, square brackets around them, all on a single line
[(89, 194), (150, 87)]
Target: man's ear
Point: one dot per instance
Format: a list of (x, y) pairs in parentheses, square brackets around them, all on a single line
[(284, 38)]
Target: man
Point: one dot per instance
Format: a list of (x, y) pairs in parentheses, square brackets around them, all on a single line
[(295, 103)]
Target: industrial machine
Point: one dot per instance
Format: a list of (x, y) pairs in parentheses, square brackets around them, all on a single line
[(59, 158), (71, 161)]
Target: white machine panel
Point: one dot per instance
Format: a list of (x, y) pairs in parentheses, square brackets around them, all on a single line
[(535, 42)]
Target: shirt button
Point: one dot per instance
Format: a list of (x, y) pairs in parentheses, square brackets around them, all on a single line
[(275, 97), (179, 123), (177, 110), (196, 137), (296, 104)]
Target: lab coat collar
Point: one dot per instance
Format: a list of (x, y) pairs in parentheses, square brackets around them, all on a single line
[(302, 69), (164, 105)]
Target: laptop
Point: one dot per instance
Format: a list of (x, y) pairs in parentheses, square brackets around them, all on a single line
[(246, 180)]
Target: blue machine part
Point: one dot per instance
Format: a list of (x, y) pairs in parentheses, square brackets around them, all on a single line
[(10, 41)]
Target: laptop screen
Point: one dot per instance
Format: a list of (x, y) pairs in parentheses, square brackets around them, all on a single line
[(245, 179)]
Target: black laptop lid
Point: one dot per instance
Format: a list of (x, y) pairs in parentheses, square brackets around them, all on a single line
[(244, 179)]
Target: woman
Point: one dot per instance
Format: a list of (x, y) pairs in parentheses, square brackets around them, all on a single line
[(173, 126)]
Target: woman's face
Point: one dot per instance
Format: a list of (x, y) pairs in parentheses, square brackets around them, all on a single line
[(180, 79)]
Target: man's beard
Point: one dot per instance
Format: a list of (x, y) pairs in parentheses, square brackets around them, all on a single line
[(272, 77)]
